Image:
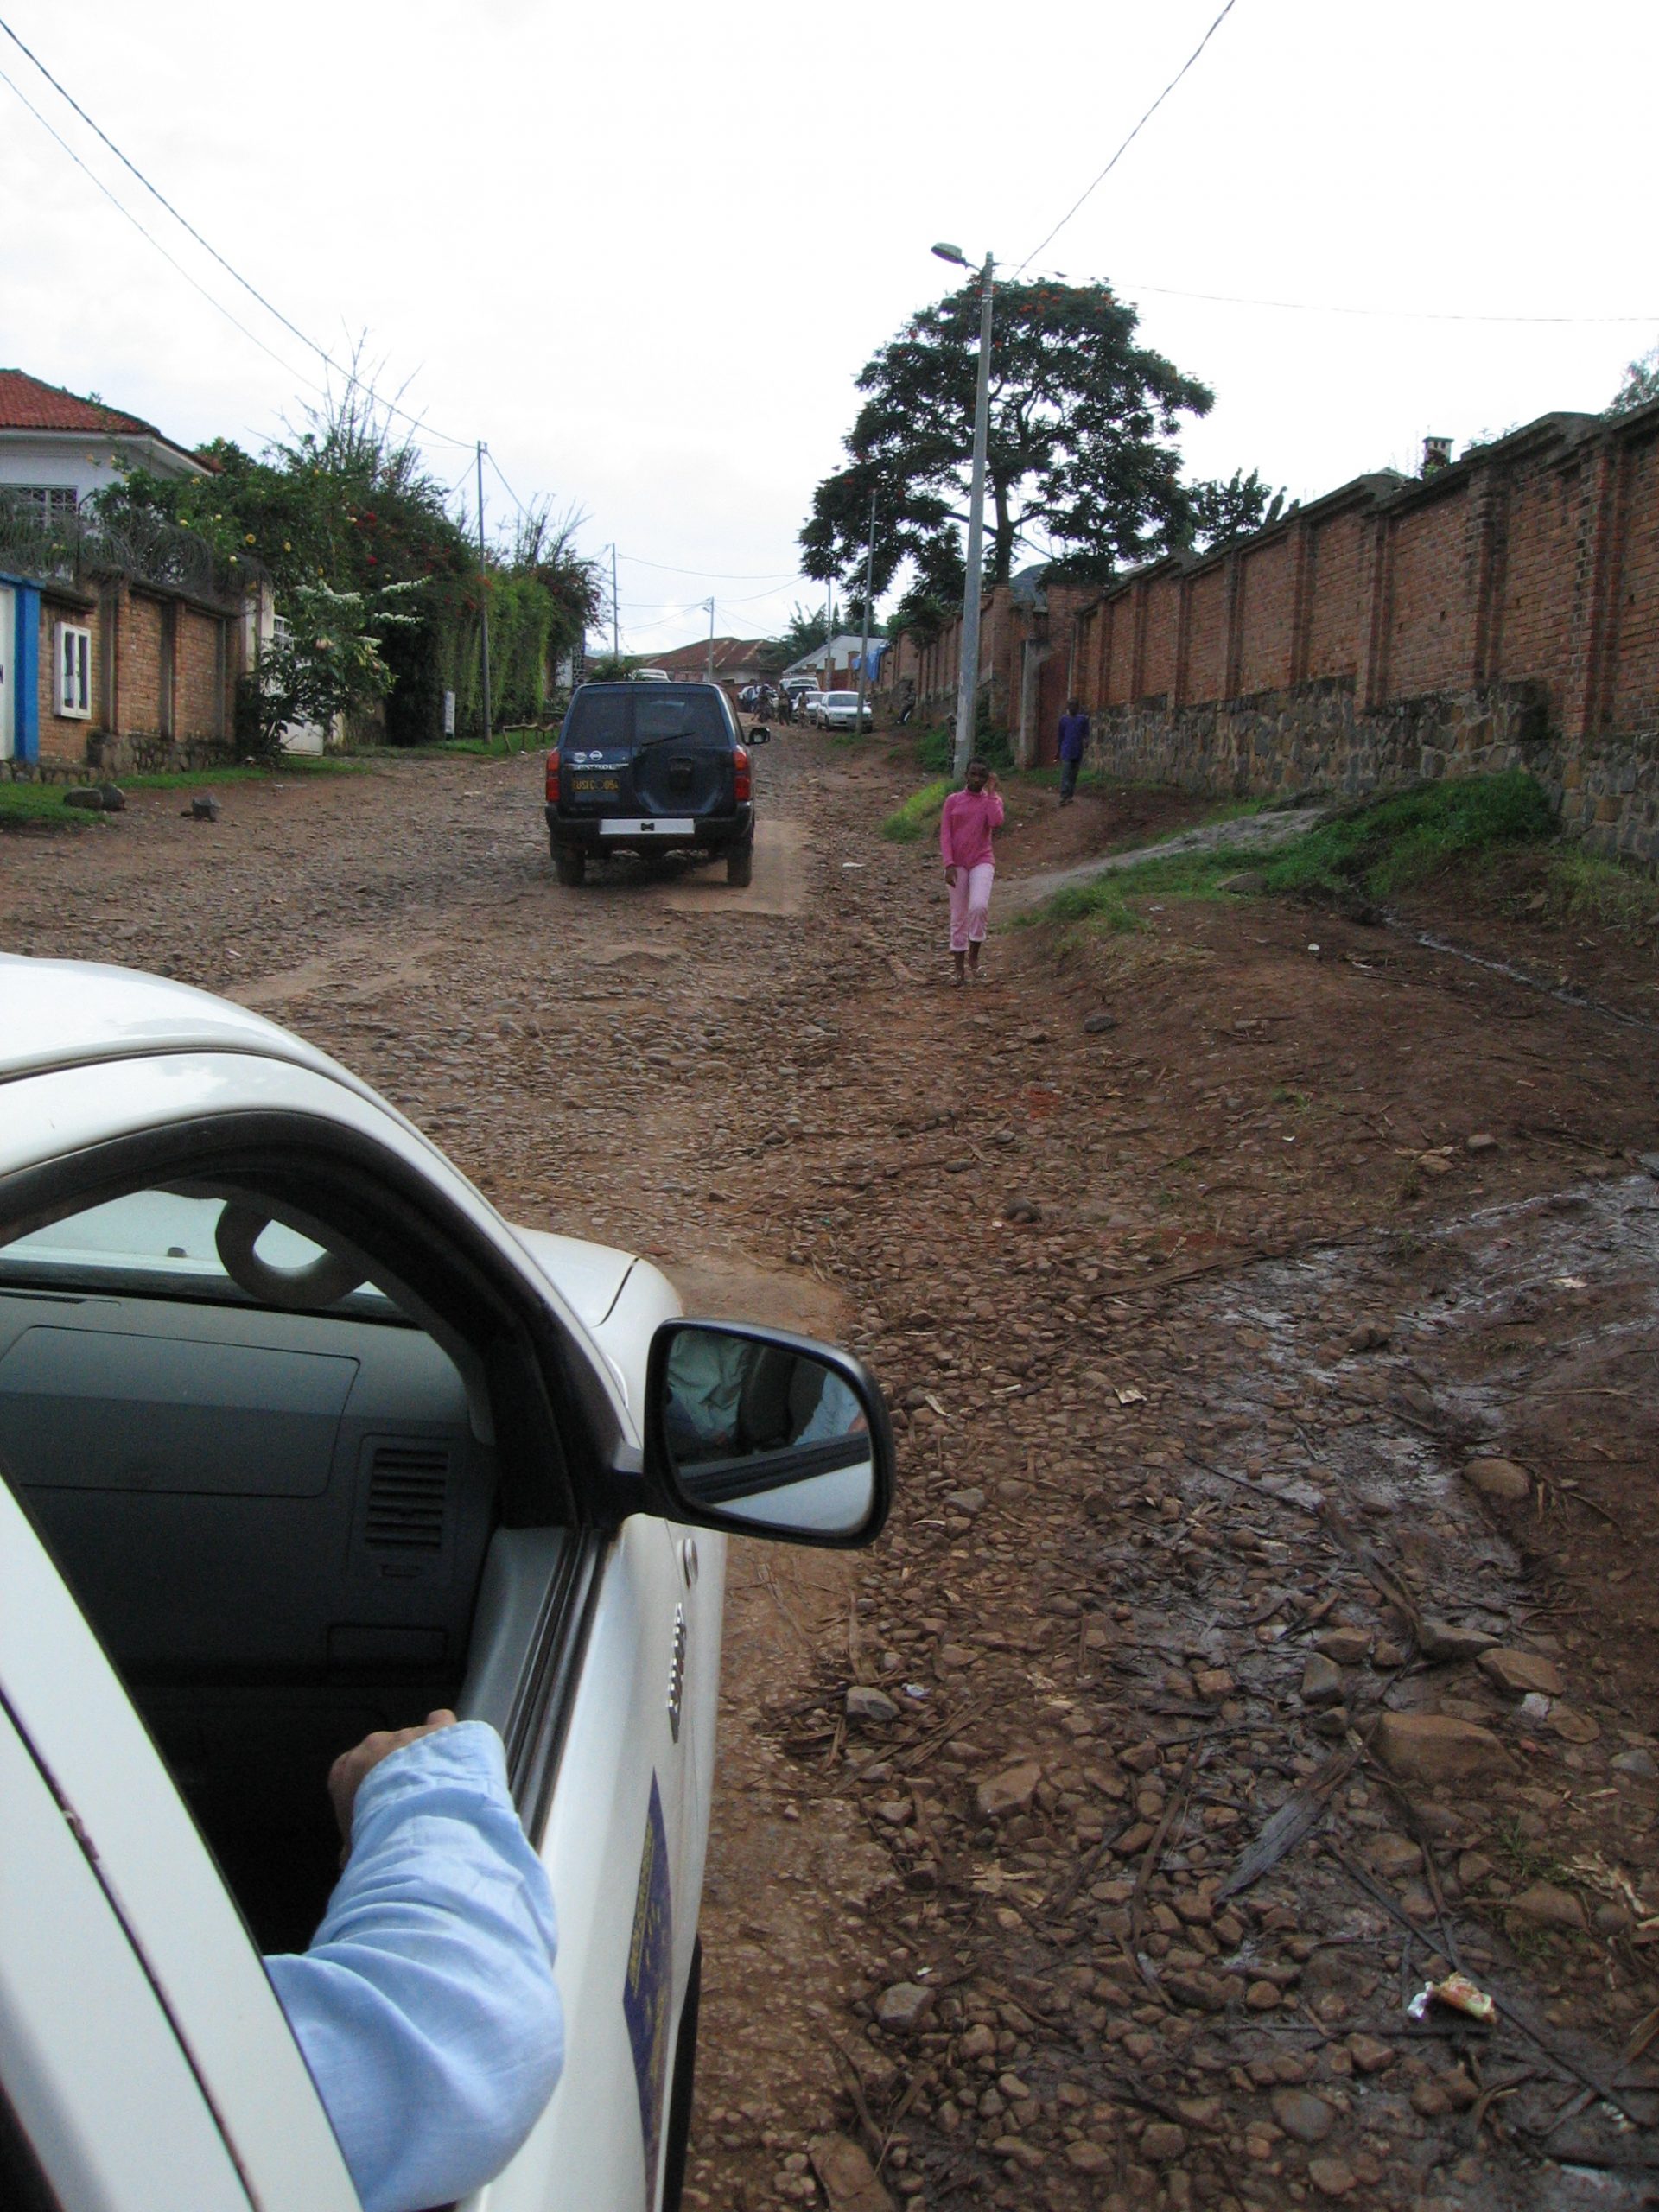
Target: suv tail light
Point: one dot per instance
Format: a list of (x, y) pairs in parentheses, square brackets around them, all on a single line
[(553, 777), (743, 783)]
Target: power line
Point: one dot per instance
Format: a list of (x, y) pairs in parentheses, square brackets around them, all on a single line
[(505, 486), (1390, 314), (150, 238), (1226, 11), (351, 378), (719, 576)]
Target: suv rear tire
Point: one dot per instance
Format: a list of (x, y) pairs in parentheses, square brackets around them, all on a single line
[(569, 864), (739, 863)]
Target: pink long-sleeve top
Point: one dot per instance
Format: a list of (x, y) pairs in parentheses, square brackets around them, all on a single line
[(965, 827)]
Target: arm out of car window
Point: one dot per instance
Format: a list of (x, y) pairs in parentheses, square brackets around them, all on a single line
[(426, 2008)]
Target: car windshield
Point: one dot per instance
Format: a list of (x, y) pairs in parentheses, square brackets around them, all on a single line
[(841, 699), (159, 1242)]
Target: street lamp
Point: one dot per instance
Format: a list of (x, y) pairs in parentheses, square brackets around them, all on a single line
[(968, 680)]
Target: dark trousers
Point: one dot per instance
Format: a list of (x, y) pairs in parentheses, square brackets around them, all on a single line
[(1069, 777)]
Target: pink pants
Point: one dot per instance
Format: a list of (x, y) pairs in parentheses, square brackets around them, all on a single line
[(970, 905)]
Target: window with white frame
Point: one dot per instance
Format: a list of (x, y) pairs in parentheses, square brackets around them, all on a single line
[(74, 658)]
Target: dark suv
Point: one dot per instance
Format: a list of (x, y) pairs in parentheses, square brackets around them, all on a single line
[(639, 767)]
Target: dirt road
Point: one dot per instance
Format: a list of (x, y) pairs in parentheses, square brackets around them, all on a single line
[(1200, 1264)]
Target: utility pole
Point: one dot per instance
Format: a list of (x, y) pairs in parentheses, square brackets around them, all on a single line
[(483, 598), (828, 628), (968, 681), (710, 604), (864, 641), (616, 640), (968, 678)]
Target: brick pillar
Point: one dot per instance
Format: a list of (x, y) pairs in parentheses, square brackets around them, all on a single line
[(1489, 525), (1138, 649), (1183, 640), (1603, 523), (1233, 675), (1377, 600), (1302, 600)]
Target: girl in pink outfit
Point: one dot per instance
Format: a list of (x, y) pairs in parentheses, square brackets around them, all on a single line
[(966, 827)]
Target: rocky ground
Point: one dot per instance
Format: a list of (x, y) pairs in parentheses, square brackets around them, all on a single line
[(1265, 1628)]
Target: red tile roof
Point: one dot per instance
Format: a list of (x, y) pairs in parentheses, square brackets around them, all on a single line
[(26, 404), (730, 654)]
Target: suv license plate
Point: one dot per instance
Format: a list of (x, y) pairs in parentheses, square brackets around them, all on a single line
[(648, 825)]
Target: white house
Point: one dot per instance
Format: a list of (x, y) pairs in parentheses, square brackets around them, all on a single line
[(842, 672), (60, 448)]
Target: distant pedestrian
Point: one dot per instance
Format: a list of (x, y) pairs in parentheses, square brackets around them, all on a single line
[(1074, 735), (966, 827)]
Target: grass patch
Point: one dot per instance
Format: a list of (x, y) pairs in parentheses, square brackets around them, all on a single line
[(1580, 887), (501, 745), (912, 820), (293, 770), (26, 806), (30, 805), (1383, 847), (1376, 849), (937, 749), (1176, 875)]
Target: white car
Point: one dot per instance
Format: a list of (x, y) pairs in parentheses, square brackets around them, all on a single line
[(807, 704), (298, 1439), (839, 710)]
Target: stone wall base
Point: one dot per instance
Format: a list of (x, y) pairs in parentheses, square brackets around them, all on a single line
[(134, 753), (1318, 738)]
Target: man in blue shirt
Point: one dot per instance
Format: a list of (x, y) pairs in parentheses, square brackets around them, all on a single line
[(425, 2007), (1074, 735)]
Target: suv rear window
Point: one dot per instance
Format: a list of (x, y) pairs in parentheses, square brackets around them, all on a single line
[(641, 713), (598, 717), (694, 715)]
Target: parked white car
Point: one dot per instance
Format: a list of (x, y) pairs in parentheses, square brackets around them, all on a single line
[(298, 1439), (839, 710), (807, 704)]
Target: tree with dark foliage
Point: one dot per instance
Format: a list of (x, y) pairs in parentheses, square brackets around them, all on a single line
[(1082, 442), (1222, 513)]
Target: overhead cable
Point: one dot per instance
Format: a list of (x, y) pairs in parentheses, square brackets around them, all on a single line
[(351, 376), (150, 239), (1226, 11)]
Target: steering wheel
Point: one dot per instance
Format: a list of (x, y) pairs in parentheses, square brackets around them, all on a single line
[(320, 1282)]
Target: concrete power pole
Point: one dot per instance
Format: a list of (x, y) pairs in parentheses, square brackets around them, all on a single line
[(968, 681), (483, 598), (710, 604), (616, 640)]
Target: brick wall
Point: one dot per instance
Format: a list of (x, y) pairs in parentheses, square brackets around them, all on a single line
[(1504, 611), (1265, 609), (1429, 611), (1335, 551)]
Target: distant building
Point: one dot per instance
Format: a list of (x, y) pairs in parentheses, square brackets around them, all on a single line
[(737, 661), (60, 449), (843, 671)]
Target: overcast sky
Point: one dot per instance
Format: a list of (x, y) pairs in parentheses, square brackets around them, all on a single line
[(644, 250)]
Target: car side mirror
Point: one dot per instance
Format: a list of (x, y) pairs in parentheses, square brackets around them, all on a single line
[(761, 1432), (759, 734)]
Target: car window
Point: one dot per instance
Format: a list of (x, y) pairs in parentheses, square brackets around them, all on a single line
[(598, 718), (164, 1243), (271, 1491), (697, 717)]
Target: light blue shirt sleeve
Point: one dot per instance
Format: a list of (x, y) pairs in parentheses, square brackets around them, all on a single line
[(426, 2008)]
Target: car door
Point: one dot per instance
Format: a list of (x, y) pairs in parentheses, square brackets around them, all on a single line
[(591, 1634), (142, 2049)]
